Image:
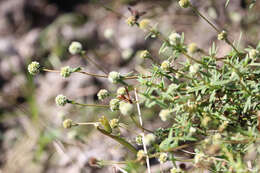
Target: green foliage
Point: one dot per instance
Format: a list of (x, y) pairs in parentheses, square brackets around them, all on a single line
[(213, 103)]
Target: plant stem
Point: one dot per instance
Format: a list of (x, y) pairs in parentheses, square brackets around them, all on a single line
[(213, 26), (119, 140), (82, 104)]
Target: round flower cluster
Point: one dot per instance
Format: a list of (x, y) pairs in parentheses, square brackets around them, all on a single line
[(144, 24), (140, 154), (75, 48), (114, 77), (61, 100), (222, 35), (139, 140), (68, 123), (176, 170), (149, 139), (253, 53), (102, 94), (121, 91), (114, 123), (165, 114), (65, 71), (114, 104), (184, 3), (192, 48), (145, 54), (126, 108), (131, 21), (34, 68), (174, 38), (194, 68), (163, 158), (166, 65)]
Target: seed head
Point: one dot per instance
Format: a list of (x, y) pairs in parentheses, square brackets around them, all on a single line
[(184, 3), (114, 123), (222, 35), (174, 38), (75, 48), (165, 65), (126, 108), (114, 77), (61, 100), (65, 71), (68, 123), (165, 114), (102, 94), (131, 21), (34, 68), (144, 24), (145, 54), (114, 104), (121, 91), (149, 139), (192, 48), (163, 158)]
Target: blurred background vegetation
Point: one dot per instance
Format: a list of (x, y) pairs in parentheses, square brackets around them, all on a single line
[(31, 136)]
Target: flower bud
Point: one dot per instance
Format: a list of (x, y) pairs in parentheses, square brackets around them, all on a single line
[(75, 48), (102, 94), (126, 108), (184, 3), (222, 35), (34, 68), (165, 114), (163, 158), (121, 91), (131, 21), (114, 77), (165, 65), (174, 38), (68, 123), (114, 104), (65, 71), (144, 24), (145, 54), (61, 100), (114, 123), (149, 139), (192, 48)]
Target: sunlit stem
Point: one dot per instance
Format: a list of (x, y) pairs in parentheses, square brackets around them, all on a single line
[(91, 105), (119, 140), (97, 75)]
